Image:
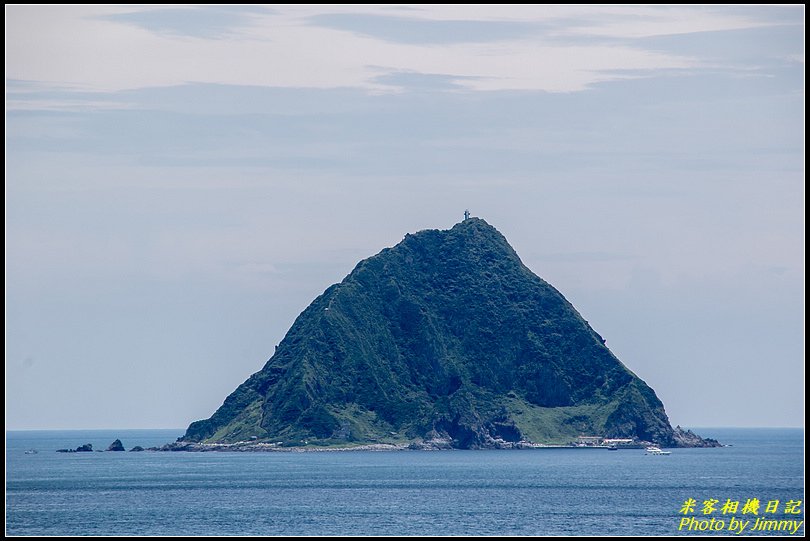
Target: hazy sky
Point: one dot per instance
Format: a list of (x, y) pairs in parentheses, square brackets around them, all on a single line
[(182, 182)]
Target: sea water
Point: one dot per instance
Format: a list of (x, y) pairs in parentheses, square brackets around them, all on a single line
[(517, 492)]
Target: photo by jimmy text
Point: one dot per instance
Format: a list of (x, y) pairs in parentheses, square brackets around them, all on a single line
[(785, 518)]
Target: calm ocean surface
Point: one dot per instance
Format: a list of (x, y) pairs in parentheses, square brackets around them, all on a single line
[(528, 492)]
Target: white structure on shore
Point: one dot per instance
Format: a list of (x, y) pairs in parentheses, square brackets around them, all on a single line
[(587, 441), (617, 441)]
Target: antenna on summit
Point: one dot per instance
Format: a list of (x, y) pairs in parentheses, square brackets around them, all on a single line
[(467, 214)]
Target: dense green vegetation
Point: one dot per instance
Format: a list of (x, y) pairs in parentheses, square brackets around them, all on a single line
[(447, 335)]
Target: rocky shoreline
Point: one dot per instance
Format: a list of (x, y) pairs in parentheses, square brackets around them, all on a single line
[(428, 445), (687, 438), (260, 447), (683, 438)]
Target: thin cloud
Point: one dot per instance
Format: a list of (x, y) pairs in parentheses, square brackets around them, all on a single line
[(425, 31), (211, 22), (550, 49)]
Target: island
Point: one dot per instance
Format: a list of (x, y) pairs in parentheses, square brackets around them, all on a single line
[(444, 341)]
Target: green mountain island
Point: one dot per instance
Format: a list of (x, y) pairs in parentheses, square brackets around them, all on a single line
[(445, 340)]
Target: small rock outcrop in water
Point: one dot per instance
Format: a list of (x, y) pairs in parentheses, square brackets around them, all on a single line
[(116, 446), (446, 340), (86, 448), (135, 449)]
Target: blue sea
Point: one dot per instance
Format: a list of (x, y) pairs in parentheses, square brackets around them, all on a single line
[(526, 492)]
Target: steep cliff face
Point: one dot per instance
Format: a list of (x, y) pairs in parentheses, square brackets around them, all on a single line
[(446, 335)]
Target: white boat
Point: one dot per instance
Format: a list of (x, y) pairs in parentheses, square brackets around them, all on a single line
[(655, 450)]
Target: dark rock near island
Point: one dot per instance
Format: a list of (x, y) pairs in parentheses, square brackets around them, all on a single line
[(444, 341), (136, 449), (116, 446), (687, 438), (86, 448)]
